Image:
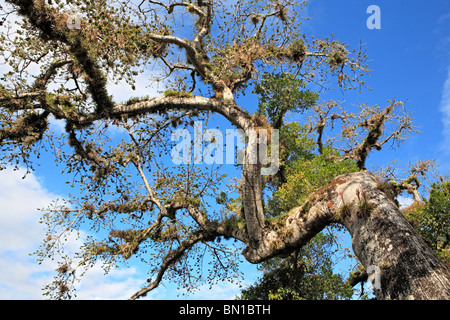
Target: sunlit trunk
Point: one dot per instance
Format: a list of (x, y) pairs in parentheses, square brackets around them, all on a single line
[(400, 264)]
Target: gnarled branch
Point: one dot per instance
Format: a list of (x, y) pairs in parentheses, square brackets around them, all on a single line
[(172, 257)]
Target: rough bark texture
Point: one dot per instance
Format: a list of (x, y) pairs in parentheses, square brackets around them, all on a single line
[(382, 238), (253, 203)]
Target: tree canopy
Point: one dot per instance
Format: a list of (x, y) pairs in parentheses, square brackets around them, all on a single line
[(138, 204)]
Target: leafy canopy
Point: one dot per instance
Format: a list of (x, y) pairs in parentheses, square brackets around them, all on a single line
[(203, 54)]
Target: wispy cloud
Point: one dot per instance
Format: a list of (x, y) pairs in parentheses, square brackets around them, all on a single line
[(21, 233), (445, 110), (122, 91), (404, 202)]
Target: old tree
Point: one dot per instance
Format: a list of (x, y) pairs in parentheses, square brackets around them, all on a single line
[(205, 54)]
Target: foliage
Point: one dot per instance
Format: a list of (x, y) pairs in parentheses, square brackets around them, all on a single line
[(134, 204), (173, 93), (432, 219), (279, 94), (306, 175), (305, 275)]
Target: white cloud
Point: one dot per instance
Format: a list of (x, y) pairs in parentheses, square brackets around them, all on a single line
[(404, 202), (19, 201), (445, 109), (224, 291), (122, 91), (20, 234), (117, 285)]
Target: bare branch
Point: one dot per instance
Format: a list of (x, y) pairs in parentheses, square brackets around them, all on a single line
[(42, 80), (38, 88), (172, 257), (363, 131), (375, 125), (218, 229)]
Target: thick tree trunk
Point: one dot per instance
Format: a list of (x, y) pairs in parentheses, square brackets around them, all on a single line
[(401, 264), (253, 203)]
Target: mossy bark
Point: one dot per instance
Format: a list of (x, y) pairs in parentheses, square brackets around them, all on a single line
[(398, 261)]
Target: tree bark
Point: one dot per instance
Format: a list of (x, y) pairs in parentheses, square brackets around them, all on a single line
[(403, 265), (253, 203)]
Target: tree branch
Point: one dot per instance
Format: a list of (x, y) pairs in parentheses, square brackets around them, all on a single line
[(45, 18), (214, 228), (43, 79), (38, 88), (376, 125), (236, 116), (319, 210), (172, 257)]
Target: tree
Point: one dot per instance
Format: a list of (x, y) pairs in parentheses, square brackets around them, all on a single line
[(165, 218), (307, 272)]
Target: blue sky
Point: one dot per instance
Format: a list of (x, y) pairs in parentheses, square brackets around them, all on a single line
[(410, 60)]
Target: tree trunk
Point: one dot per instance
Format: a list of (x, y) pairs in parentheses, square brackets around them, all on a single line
[(400, 264)]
